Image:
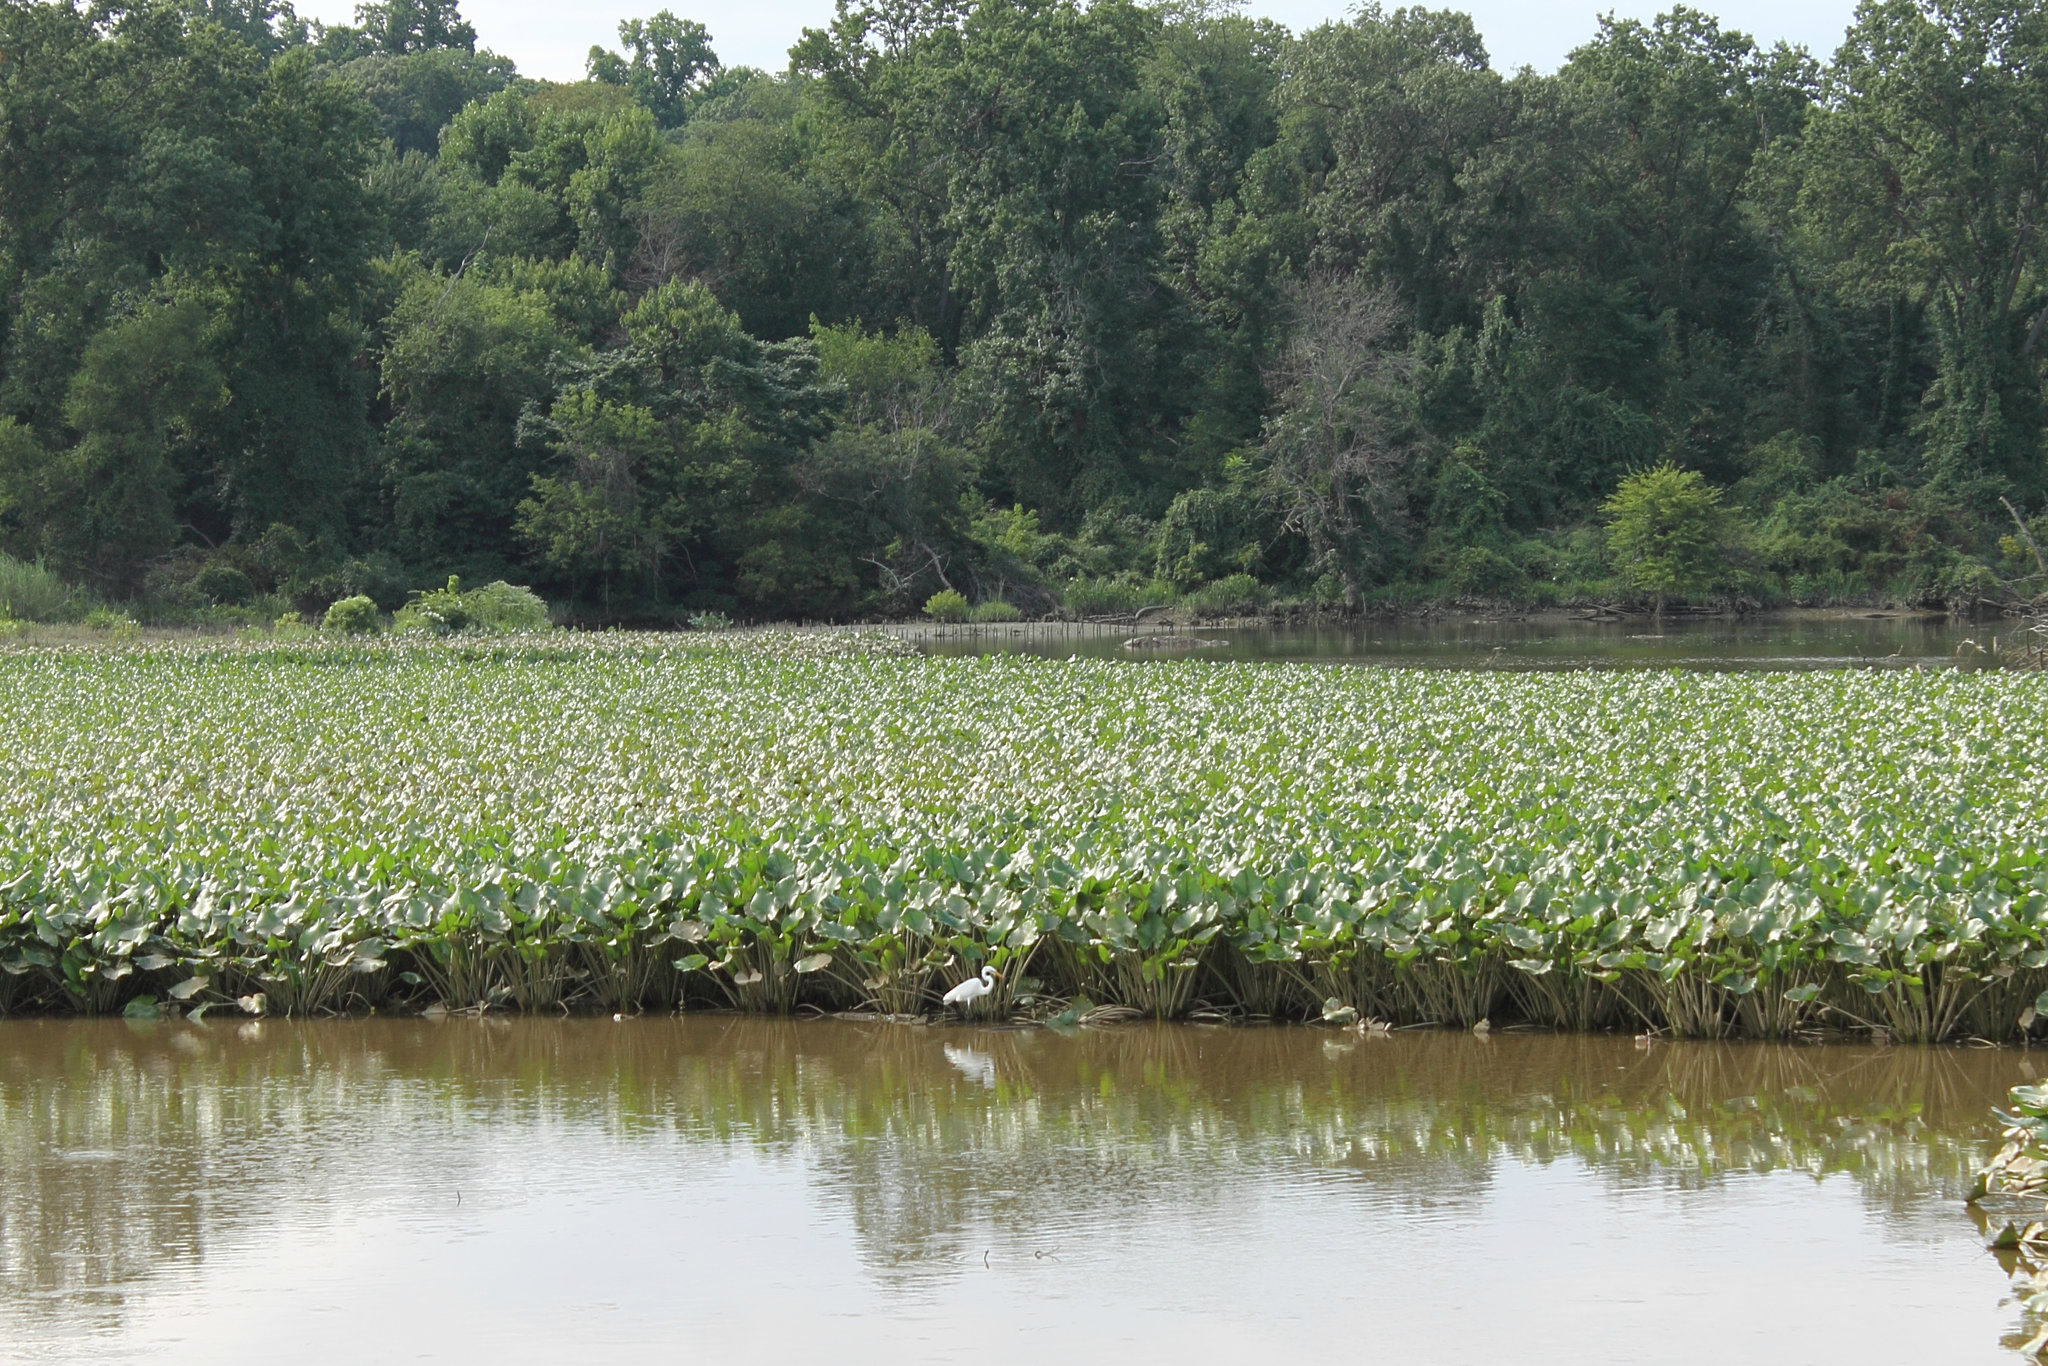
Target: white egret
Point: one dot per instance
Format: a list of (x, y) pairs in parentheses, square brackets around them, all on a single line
[(973, 989)]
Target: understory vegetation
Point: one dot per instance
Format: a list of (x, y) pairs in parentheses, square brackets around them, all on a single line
[(776, 823), (1057, 308)]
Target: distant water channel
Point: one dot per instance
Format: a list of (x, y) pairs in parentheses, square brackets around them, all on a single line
[(729, 1189), (1809, 640)]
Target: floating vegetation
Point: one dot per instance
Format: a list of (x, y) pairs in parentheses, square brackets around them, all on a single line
[(772, 822)]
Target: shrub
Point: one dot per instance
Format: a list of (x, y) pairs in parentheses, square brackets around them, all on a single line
[(506, 608), (1485, 573), (1961, 585), (495, 609), (108, 619), (222, 583), (710, 621), (995, 609), (1086, 597), (1664, 529), (1237, 593), (946, 605), (1207, 533), (377, 576), (29, 592), (356, 616)]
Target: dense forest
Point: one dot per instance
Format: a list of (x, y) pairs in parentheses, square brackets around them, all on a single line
[(1065, 306)]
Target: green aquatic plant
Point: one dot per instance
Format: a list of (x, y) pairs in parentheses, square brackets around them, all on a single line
[(785, 820)]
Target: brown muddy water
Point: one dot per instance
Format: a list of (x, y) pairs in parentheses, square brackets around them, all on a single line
[(714, 1188), (1780, 642)]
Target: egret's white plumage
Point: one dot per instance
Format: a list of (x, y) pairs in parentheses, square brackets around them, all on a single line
[(973, 989)]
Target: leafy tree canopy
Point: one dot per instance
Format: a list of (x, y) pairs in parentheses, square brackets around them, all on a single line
[(1047, 303)]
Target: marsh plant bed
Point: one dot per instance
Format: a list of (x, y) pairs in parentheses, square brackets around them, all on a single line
[(779, 823)]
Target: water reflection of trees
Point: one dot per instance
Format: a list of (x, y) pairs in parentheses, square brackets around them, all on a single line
[(126, 1149)]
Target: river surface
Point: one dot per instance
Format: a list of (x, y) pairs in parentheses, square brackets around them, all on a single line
[(732, 1189), (1810, 640)]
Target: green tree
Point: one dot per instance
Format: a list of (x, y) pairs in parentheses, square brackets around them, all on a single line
[(745, 202), (415, 94), (1000, 145), (1924, 180), (546, 173), (1665, 532), (464, 360), (889, 478), (144, 388), (401, 26), (597, 519), (1385, 116), (668, 61)]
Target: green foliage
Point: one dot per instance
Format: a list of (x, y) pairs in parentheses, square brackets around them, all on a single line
[(991, 610), (29, 591), (117, 623), (596, 521), (1238, 594), (947, 605), (1919, 178), (497, 608), (416, 93), (670, 60), (1963, 586), (356, 616), (1665, 531), (1486, 573), (1616, 859), (1093, 597), (1211, 534), (223, 583), (1097, 302), (463, 361)]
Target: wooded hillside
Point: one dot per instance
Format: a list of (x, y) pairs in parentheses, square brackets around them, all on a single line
[(1069, 306)]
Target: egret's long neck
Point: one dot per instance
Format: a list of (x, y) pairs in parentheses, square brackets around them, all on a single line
[(988, 978)]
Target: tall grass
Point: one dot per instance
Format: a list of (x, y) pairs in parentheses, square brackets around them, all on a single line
[(1095, 597), (31, 592)]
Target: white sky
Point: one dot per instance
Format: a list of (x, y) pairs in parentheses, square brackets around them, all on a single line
[(550, 40)]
